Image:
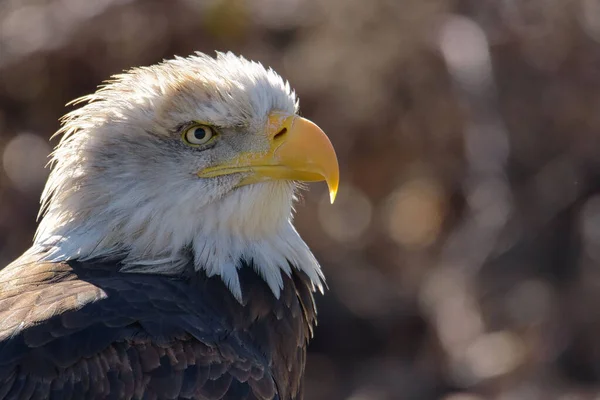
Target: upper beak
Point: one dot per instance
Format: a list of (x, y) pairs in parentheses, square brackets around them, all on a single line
[(298, 150)]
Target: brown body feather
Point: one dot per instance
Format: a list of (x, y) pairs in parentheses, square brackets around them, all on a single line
[(86, 331)]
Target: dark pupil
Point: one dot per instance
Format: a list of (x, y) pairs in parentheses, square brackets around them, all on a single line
[(199, 133)]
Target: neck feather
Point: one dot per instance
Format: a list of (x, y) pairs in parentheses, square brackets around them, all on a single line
[(251, 225)]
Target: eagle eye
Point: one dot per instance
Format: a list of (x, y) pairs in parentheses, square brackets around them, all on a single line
[(197, 135)]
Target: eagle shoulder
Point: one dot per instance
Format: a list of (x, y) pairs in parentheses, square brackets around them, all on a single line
[(81, 330)]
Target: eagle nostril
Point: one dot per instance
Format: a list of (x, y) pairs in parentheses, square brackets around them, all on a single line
[(280, 133)]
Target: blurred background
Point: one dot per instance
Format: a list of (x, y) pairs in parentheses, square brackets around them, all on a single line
[(463, 252)]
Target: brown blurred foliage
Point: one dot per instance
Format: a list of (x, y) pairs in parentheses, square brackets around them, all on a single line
[(463, 253)]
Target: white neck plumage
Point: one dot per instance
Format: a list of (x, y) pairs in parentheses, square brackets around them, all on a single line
[(154, 234)]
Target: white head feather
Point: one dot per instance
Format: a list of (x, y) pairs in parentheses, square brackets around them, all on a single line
[(124, 186)]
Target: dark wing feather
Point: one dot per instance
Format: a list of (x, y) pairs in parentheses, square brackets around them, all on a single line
[(86, 332)]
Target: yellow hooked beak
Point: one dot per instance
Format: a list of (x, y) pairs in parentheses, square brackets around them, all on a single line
[(299, 150)]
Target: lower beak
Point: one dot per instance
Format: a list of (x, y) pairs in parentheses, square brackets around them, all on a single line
[(299, 150)]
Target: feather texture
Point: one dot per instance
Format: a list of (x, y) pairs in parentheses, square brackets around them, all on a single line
[(86, 331), (124, 186)]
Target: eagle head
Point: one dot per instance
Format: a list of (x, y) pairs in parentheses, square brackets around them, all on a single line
[(194, 161)]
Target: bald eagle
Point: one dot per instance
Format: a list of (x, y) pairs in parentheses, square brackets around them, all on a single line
[(166, 265)]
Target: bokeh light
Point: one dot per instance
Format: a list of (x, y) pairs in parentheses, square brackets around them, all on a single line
[(350, 216), (494, 354), (414, 213), (24, 159)]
